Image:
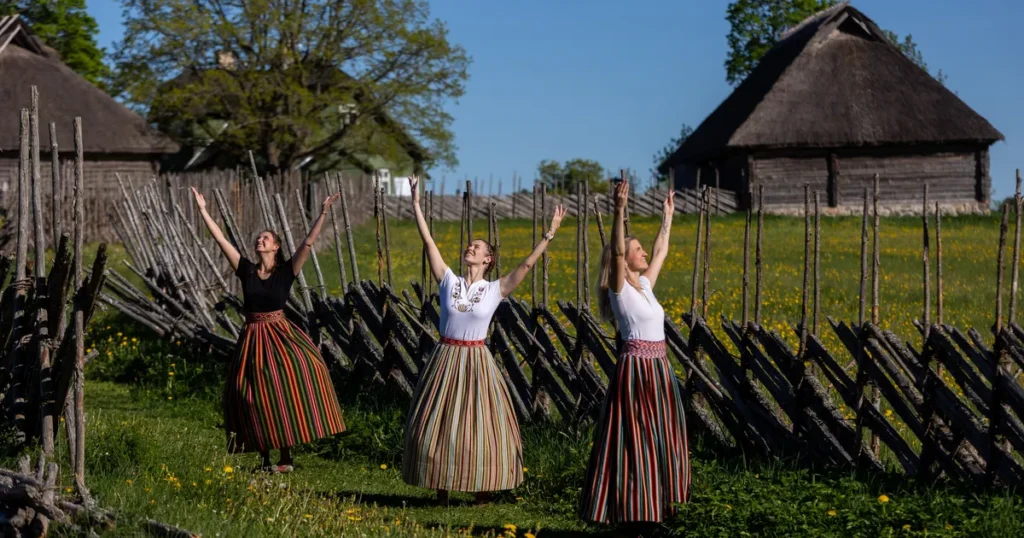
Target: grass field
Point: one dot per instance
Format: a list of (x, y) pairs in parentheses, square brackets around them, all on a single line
[(156, 449)]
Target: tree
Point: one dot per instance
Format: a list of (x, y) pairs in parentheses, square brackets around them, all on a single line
[(756, 25), (664, 153), (291, 80), (565, 179), (66, 27)]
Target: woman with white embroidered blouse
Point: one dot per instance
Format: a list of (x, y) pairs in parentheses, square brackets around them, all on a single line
[(639, 464), (462, 433)]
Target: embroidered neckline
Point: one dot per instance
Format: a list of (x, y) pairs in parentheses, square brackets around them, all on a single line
[(462, 304)]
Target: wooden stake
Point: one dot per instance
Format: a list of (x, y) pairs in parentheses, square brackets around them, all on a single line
[(807, 271), (757, 262), (927, 272), (1015, 271), (586, 245), (600, 225), (496, 242), (55, 193), (579, 244), (348, 230), (533, 271), (1003, 227), (544, 257), (377, 193), (462, 232), (746, 266), (863, 261), (79, 314), (876, 263), (469, 211), (938, 265), (625, 220), (387, 235), (337, 234), (707, 254), (695, 282), (817, 263), (312, 250), (430, 225)]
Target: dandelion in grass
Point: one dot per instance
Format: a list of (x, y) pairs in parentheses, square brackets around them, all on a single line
[(883, 498), (831, 513), (383, 467), (228, 469)]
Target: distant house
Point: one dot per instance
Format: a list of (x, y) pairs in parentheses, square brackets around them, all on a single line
[(404, 156), (115, 139), (832, 104)]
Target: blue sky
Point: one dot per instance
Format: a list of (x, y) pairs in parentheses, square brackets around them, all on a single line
[(613, 81)]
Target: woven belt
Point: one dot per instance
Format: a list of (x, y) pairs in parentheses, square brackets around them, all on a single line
[(263, 317), (462, 343), (645, 349)]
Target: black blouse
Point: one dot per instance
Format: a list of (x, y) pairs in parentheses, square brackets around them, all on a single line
[(265, 295)]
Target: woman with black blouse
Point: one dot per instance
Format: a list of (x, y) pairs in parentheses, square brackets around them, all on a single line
[(278, 391)]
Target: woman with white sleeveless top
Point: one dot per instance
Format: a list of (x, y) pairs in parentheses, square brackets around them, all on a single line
[(639, 465), (462, 433)]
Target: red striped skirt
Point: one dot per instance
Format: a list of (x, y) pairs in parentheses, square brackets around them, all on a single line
[(639, 465), (462, 433), (279, 392)]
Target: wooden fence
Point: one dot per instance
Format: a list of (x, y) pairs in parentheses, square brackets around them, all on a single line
[(765, 399)]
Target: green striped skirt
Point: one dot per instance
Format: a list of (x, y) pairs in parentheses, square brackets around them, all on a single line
[(278, 392), (462, 433), (640, 464)]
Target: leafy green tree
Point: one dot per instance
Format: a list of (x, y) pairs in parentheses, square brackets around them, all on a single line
[(566, 178), (664, 153), (291, 80), (756, 25), (65, 26)]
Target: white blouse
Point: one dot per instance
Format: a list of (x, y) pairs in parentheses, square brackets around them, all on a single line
[(466, 310), (638, 313)]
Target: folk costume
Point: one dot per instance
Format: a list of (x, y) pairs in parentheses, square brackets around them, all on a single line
[(639, 465), (462, 433), (278, 392)]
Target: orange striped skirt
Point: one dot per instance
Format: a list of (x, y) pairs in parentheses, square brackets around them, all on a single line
[(279, 392), (462, 433)]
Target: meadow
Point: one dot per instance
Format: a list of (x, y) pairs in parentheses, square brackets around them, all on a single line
[(156, 450)]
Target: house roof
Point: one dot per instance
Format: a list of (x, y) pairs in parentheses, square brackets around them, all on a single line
[(835, 80), (107, 126)]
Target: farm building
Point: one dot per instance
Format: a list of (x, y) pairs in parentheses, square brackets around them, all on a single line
[(115, 139), (831, 104), (379, 142)]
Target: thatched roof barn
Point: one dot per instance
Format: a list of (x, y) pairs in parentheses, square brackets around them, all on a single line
[(114, 137), (832, 104)]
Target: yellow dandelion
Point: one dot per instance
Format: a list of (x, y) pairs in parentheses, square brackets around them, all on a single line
[(906, 527), (308, 516), (831, 513), (509, 527), (383, 467), (529, 535), (228, 469), (526, 470), (129, 482), (883, 498)]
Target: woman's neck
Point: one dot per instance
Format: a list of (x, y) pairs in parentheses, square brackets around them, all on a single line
[(267, 262), (474, 273), (633, 278)]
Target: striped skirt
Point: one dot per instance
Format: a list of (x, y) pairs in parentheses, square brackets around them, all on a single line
[(462, 433), (278, 391), (639, 465)]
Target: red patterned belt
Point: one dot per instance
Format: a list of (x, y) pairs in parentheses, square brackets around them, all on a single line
[(263, 317), (645, 349), (463, 343)]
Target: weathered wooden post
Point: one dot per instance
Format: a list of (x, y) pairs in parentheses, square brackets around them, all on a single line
[(817, 263), (757, 261), (545, 259), (337, 234), (705, 298), (695, 282), (55, 192), (79, 316), (807, 271), (533, 271), (746, 265), (938, 268), (1015, 271), (348, 230), (926, 314), (586, 245), (876, 396), (387, 235), (377, 193)]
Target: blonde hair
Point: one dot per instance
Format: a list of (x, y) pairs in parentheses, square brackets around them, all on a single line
[(604, 301)]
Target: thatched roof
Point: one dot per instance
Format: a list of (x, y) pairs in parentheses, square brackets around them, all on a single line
[(835, 80), (107, 126)]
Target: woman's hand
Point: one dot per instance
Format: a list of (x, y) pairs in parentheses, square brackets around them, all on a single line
[(328, 201), (621, 194), (668, 208), (200, 201), (556, 220), (414, 183)]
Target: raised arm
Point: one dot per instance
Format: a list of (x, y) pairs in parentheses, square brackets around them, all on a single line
[(660, 251), (437, 265), (512, 280), (225, 246), (302, 251), (617, 276)]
